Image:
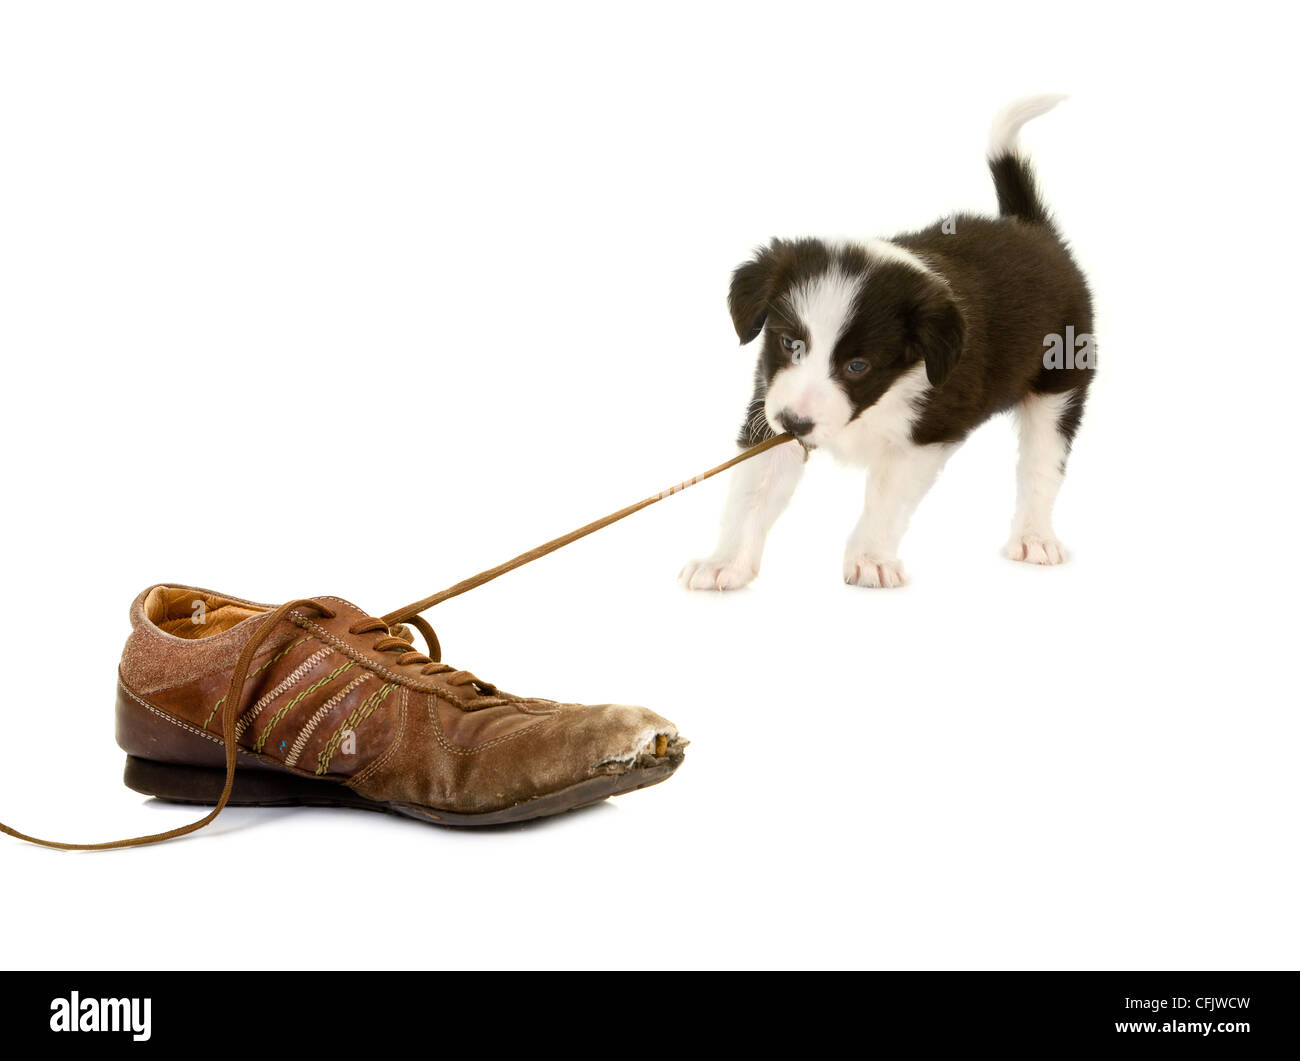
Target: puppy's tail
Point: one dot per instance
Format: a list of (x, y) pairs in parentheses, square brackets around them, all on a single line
[(1012, 178)]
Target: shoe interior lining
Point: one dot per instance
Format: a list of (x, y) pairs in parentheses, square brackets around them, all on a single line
[(193, 614)]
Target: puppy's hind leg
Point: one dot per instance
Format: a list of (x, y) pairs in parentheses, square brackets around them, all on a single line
[(759, 490), (1047, 424)]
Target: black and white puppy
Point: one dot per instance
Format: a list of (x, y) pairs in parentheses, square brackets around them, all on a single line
[(888, 353)]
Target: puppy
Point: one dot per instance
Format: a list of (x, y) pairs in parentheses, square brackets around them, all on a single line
[(888, 353)]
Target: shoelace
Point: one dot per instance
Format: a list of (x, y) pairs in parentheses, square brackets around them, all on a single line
[(409, 657), (430, 664), (408, 614)]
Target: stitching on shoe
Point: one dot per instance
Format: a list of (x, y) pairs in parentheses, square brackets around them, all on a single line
[(217, 706), (363, 776), (353, 722), (168, 718), (278, 717), (199, 733), (305, 734), (258, 706), (458, 749), (239, 751)]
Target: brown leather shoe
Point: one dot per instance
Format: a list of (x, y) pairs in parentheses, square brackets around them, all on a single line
[(319, 703)]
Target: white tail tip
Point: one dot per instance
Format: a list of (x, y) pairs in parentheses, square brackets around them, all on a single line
[(1005, 133)]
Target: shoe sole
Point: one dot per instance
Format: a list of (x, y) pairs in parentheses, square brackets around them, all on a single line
[(262, 788)]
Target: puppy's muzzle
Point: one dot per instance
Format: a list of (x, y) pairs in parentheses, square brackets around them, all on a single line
[(797, 426)]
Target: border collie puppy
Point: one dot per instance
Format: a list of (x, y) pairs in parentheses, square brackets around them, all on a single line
[(888, 353)]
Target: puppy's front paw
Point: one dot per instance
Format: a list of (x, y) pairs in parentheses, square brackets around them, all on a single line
[(717, 572), (1035, 549), (873, 572)]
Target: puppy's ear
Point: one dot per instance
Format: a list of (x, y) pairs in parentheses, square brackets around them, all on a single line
[(751, 287), (937, 333)]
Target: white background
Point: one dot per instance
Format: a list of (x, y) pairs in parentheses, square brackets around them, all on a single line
[(358, 299)]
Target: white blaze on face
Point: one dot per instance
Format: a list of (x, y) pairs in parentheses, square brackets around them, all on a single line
[(807, 391)]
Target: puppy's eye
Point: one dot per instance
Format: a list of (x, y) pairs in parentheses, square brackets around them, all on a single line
[(795, 347), (856, 367)]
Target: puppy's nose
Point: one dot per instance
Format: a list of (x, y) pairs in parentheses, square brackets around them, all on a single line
[(794, 424)]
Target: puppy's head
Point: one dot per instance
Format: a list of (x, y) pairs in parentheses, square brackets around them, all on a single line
[(838, 325)]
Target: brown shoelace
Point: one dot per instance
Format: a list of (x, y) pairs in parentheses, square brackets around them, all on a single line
[(430, 663), (402, 615), (391, 642)]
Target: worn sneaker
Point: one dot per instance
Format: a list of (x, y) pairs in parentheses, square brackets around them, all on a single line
[(224, 701)]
